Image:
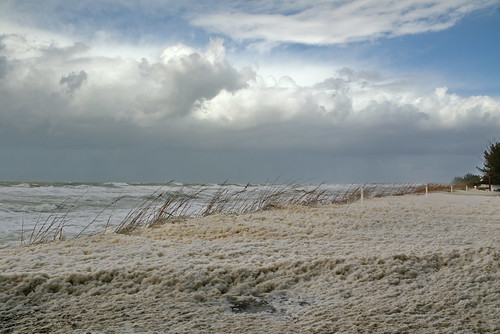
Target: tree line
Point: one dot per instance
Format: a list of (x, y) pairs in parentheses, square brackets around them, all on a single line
[(490, 171)]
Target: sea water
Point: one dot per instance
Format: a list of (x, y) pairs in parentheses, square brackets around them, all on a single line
[(89, 208)]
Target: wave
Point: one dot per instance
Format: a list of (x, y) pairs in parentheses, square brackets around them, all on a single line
[(116, 184), (3, 208), (41, 208)]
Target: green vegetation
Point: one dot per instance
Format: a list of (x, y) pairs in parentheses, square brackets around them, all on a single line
[(491, 167), (467, 180)]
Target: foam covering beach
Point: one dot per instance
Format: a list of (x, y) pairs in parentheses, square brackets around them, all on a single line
[(401, 264)]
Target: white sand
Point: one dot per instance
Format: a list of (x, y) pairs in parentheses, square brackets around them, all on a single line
[(410, 264)]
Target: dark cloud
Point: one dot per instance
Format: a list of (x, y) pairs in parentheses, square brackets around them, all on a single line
[(191, 113), (73, 80), (3, 59), (184, 76), (2, 45), (157, 165), (3, 66)]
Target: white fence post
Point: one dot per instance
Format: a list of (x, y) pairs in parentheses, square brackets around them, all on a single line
[(426, 190), (451, 189), (362, 195)]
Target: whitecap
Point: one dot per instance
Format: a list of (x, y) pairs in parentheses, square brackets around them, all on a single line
[(38, 208)]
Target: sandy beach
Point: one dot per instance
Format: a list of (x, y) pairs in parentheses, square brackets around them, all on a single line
[(402, 264)]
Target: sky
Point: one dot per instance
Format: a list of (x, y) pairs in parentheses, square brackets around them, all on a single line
[(319, 91)]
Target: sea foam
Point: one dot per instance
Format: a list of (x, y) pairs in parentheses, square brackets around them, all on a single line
[(398, 264)]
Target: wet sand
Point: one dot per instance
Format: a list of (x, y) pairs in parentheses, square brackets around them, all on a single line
[(405, 264)]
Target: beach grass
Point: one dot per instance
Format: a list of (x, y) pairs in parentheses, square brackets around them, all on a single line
[(162, 206)]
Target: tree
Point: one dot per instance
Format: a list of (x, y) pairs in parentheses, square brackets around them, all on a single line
[(468, 180), (491, 168)]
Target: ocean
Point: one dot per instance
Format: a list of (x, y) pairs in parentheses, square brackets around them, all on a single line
[(28, 210)]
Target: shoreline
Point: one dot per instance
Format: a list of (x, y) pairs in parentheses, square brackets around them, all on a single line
[(405, 263)]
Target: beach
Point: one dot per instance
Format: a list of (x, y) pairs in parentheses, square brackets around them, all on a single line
[(396, 264)]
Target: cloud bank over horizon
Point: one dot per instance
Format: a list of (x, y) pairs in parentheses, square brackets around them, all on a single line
[(200, 92), (64, 94)]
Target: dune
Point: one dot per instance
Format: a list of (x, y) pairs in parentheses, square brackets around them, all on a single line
[(401, 264)]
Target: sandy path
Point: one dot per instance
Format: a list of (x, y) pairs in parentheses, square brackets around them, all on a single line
[(409, 264)]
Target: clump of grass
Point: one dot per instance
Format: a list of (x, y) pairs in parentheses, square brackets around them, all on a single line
[(158, 207), (52, 228)]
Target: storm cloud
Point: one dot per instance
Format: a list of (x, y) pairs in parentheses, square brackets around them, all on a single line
[(71, 110), (195, 98)]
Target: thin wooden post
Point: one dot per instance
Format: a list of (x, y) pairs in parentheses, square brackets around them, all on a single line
[(426, 190), (362, 195)]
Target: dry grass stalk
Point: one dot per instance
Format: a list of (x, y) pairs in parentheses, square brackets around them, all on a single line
[(251, 199), (162, 207), (52, 228)]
